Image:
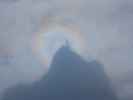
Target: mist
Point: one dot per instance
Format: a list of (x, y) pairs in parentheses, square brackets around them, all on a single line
[(106, 26)]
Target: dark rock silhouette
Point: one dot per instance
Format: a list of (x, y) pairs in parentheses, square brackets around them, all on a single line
[(69, 78)]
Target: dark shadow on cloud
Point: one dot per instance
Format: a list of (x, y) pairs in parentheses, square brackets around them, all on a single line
[(69, 78)]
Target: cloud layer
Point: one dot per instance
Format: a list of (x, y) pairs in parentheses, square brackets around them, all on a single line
[(105, 24)]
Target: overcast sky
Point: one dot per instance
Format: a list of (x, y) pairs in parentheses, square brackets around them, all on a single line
[(106, 26)]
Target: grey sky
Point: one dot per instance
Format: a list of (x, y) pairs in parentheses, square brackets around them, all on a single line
[(106, 24)]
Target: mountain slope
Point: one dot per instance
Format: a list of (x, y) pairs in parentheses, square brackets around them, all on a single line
[(70, 78)]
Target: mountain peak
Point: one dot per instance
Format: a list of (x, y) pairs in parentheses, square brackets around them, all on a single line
[(69, 78)]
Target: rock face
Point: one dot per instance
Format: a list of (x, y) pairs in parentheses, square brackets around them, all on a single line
[(69, 78)]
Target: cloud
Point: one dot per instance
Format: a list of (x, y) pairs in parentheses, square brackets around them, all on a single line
[(105, 24)]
